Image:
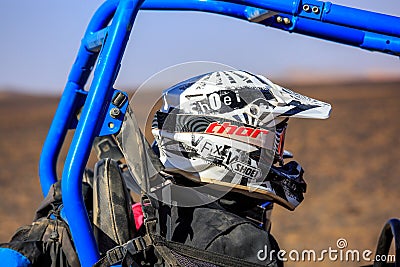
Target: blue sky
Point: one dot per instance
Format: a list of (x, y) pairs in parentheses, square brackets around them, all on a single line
[(39, 41)]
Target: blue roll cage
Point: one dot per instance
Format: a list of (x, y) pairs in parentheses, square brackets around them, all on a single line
[(105, 41)]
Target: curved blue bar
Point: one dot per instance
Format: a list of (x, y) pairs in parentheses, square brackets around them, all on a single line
[(222, 8), (65, 114), (288, 7), (102, 16), (347, 25), (56, 135), (69, 101), (92, 117)]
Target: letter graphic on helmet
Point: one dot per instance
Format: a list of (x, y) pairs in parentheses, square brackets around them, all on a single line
[(228, 127)]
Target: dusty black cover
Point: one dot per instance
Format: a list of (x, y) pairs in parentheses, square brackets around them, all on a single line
[(47, 241), (214, 229), (112, 212)]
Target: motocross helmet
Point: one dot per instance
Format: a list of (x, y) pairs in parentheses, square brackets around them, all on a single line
[(228, 128)]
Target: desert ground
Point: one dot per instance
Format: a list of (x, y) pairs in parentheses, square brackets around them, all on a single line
[(351, 164)]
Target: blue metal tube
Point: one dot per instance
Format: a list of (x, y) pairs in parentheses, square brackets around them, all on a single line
[(379, 42), (102, 16), (56, 136), (309, 27), (91, 120), (65, 113), (355, 31), (339, 34), (334, 14), (222, 8), (86, 58), (63, 117), (288, 7), (329, 32), (361, 19)]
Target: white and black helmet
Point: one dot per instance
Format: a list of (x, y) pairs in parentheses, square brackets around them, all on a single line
[(228, 127)]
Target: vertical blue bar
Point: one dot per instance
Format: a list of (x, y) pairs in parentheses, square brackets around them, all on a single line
[(70, 99), (92, 117), (63, 117)]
